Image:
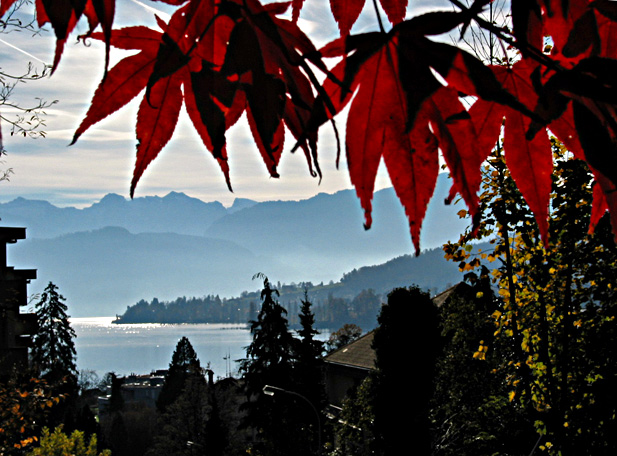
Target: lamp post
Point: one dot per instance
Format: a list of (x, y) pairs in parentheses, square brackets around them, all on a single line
[(272, 390)]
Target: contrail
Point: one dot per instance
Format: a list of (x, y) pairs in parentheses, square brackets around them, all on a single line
[(159, 13), (22, 51)]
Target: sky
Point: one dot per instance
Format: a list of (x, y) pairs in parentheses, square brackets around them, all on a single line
[(102, 160)]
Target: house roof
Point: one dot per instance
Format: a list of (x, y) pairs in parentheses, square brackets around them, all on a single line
[(441, 298), (358, 354)]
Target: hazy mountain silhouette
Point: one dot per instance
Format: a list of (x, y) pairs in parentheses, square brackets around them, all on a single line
[(178, 245), (129, 267), (327, 231), (174, 213)]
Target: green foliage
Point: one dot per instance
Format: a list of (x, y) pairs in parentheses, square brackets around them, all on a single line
[(355, 429), (470, 411), (53, 349), (60, 444)]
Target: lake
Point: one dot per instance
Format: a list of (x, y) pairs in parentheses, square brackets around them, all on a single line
[(141, 348)]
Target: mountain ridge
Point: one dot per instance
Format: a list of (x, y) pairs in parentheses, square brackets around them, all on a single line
[(320, 239)]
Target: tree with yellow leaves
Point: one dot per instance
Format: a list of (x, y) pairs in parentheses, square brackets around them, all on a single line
[(59, 443), (556, 324)]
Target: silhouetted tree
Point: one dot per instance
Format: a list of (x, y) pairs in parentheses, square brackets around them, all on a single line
[(407, 341), (183, 423), (309, 361), (343, 336), (116, 401), (184, 364), (270, 358), (216, 433), (308, 370)]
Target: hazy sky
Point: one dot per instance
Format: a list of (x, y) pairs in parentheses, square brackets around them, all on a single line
[(102, 160)]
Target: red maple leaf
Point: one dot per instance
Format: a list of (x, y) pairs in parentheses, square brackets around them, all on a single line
[(401, 113), (63, 15), (604, 190), (346, 12), (378, 120), (530, 162)]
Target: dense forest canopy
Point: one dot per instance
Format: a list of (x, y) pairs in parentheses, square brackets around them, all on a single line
[(330, 311), (221, 59)]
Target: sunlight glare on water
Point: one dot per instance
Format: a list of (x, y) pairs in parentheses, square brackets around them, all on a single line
[(141, 348)]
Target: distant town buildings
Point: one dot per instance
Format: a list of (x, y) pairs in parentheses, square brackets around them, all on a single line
[(136, 389)]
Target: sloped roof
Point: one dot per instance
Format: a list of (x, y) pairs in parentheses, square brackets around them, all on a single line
[(441, 298), (357, 354)]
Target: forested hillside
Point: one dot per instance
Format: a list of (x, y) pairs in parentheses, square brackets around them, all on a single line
[(356, 298)]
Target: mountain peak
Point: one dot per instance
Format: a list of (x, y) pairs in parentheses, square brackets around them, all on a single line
[(177, 196), (241, 203), (112, 198)]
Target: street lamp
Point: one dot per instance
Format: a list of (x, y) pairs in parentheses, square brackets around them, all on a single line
[(270, 390)]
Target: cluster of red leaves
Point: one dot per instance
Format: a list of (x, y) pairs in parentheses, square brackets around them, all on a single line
[(220, 60), (225, 58), (63, 15)]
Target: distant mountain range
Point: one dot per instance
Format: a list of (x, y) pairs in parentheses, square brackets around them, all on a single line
[(118, 251)]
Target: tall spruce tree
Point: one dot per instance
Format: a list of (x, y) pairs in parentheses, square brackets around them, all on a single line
[(309, 360), (53, 349), (270, 361)]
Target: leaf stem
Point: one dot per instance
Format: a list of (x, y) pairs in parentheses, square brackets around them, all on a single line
[(379, 21)]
